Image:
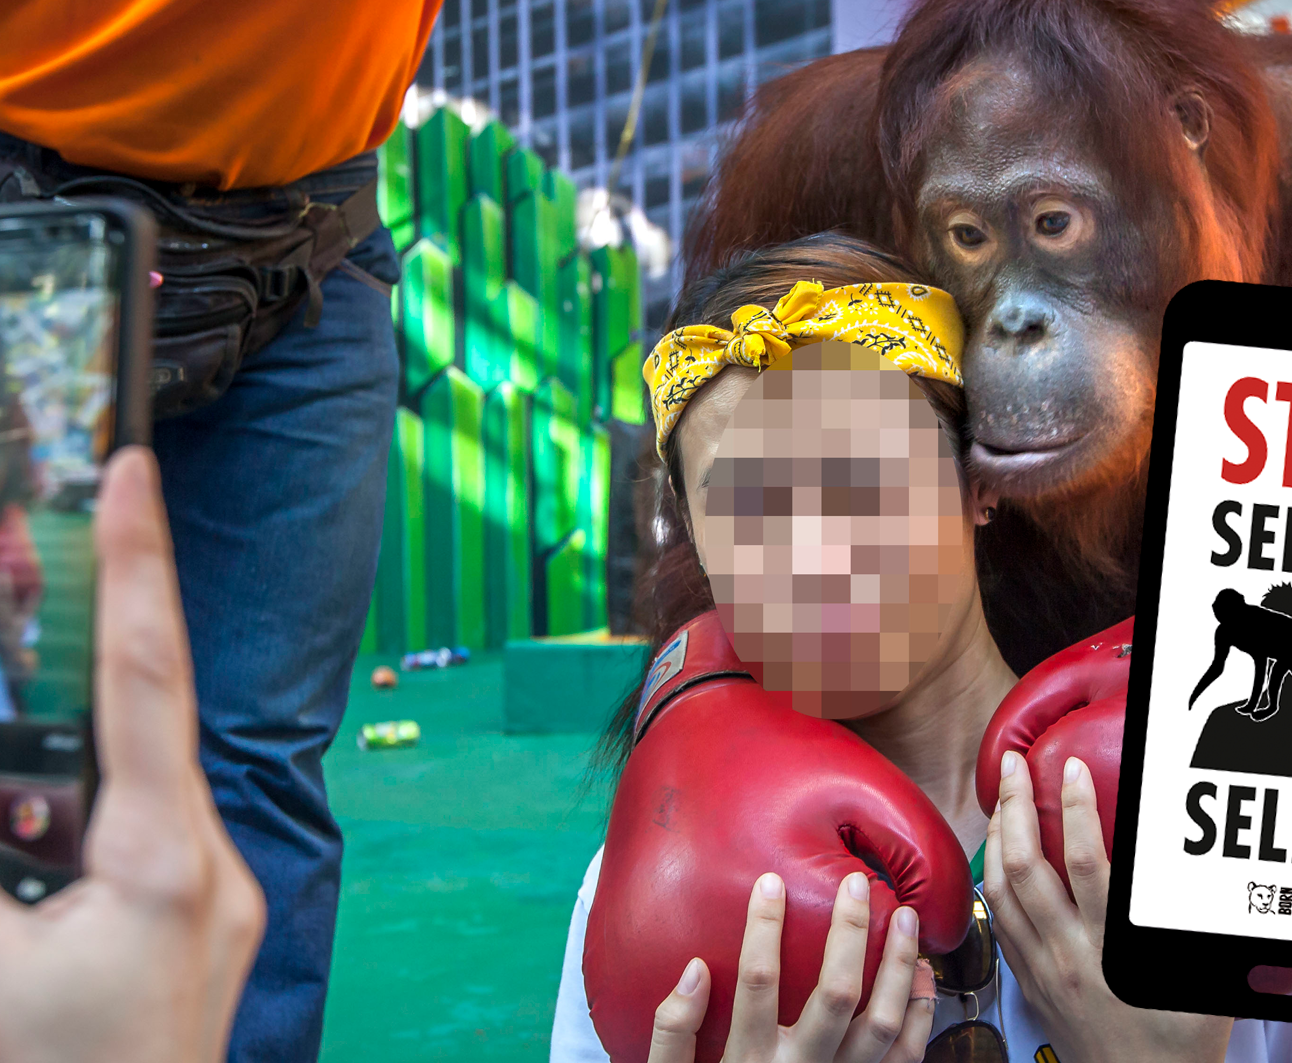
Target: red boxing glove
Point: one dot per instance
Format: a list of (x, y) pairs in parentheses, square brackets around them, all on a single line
[(728, 783), (1071, 705)]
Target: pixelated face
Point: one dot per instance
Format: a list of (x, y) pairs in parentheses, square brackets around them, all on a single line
[(833, 529)]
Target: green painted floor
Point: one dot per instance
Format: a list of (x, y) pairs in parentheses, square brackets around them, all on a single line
[(462, 860), (65, 544)]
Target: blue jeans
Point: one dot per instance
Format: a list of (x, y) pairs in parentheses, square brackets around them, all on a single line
[(275, 495)]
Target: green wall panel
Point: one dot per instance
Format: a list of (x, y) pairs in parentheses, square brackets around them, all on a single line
[(535, 265), (486, 153), (452, 412), (411, 503), (616, 315), (388, 595), (566, 576), (502, 319), (523, 172), (627, 388), (368, 642), (574, 347), (568, 685), (515, 346), (630, 281), (484, 261), (565, 197), (484, 270), (520, 320), (556, 464), (442, 179), (594, 519), (426, 305), (508, 581), (395, 201)]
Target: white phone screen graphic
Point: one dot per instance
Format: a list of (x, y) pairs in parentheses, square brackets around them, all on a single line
[(1215, 819)]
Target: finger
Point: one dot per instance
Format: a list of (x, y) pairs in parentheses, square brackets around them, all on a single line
[(830, 1008), (1021, 962), (146, 725), (678, 1018), (1007, 914), (1083, 848), (1011, 927), (1035, 883), (914, 1038), (873, 1032), (754, 1011), (142, 830), (155, 828)]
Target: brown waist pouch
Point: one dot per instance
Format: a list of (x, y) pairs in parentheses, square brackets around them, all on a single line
[(228, 289)]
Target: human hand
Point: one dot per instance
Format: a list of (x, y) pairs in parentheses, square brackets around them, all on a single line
[(144, 958), (1054, 947), (893, 1028)]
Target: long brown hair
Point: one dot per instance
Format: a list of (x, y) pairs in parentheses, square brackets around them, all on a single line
[(672, 589)]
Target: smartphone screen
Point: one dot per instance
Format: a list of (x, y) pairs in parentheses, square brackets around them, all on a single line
[(59, 306), (1215, 814)]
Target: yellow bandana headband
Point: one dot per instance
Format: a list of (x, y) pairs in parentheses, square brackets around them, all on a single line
[(916, 327)]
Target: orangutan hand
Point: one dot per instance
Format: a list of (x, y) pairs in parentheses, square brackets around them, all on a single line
[(1054, 947)]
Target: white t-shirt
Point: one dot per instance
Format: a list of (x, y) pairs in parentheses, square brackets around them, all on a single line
[(574, 1040)]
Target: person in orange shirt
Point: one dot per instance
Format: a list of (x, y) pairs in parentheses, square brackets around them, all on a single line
[(242, 125)]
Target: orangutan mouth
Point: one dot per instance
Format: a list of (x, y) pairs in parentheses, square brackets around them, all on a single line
[(1009, 467)]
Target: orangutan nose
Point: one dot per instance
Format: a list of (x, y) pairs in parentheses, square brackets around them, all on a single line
[(1020, 318)]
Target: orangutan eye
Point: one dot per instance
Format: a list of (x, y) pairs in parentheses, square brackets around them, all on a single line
[(968, 236), (1053, 222)]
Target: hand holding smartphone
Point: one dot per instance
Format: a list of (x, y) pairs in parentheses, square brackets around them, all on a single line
[(144, 958), (75, 324)]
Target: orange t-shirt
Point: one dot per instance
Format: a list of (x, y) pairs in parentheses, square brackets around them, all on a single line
[(231, 93)]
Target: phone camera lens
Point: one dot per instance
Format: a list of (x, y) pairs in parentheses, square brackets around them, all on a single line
[(30, 890)]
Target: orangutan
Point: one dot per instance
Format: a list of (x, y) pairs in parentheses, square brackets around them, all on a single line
[(1062, 168)]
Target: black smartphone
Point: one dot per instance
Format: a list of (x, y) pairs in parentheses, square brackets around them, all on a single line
[(1200, 899), (75, 342)]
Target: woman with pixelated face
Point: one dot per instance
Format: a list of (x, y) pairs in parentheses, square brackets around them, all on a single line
[(819, 499)]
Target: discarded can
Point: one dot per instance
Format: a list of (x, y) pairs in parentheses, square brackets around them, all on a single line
[(441, 658), (384, 677), (393, 734)]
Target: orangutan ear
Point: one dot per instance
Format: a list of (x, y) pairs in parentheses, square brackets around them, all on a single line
[(1194, 114)]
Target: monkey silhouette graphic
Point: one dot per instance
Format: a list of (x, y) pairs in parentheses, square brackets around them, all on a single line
[(1266, 636), (1246, 735)]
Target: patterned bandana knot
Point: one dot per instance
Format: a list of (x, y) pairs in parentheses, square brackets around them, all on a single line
[(916, 327), (762, 336)]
